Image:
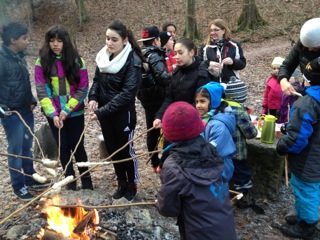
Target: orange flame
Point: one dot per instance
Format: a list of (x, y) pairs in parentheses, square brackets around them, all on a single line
[(64, 221)]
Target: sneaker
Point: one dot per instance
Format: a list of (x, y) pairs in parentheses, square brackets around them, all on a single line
[(131, 192), (247, 185), (120, 192), (23, 194), (38, 186)]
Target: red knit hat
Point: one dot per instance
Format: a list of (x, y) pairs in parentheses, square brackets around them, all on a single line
[(181, 122)]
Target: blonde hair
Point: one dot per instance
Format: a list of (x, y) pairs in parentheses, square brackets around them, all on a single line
[(220, 23)]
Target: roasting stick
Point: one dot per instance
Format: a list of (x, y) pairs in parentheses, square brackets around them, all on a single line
[(90, 164), (105, 207), (286, 156)]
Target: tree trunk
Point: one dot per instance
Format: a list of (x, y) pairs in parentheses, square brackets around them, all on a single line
[(250, 17), (4, 16), (83, 15), (191, 30)]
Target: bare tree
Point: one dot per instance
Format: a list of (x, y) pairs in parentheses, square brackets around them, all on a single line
[(250, 17), (83, 15), (4, 16), (191, 30)]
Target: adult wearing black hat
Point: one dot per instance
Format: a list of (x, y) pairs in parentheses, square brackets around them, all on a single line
[(153, 87), (302, 144)]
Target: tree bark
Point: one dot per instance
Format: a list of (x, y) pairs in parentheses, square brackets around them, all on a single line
[(191, 30), (250, 17), (83, 15), (4, 16)]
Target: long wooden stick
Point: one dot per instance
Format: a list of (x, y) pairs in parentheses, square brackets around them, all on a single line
[(105, 207)]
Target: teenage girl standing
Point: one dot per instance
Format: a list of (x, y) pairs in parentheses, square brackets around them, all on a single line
[(112, 102), (61, 80)]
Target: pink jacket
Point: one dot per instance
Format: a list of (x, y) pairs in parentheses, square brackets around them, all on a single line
[(271, 96)]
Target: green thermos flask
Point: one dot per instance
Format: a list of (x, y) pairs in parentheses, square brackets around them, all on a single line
[(268, 128)]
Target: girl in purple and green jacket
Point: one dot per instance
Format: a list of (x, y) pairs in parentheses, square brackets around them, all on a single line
[(61, 80)]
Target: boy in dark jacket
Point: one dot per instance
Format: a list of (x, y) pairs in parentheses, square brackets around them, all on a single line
[(236, 94), (193, 188), (302, 144), (16, 95), (153, 87)]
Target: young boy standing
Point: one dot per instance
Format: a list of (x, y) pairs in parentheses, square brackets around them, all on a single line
[(236, 95), (302, 144), (192, 185)]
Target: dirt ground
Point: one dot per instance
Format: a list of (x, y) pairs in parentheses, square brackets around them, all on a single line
[(285, 18)]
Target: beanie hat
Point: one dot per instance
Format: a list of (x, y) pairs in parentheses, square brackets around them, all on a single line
[(277, 61), (312, 72), (181, 122), (149, 33), (310, 33), (236, 90), (164, 36), (215, 90)]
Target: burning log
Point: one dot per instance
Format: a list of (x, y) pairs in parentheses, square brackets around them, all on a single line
[(81, 227), (52, 235)]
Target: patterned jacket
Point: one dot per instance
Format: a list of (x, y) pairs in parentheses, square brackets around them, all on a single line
[(302, 141), (59, 95), (245, 130), (216, 53)]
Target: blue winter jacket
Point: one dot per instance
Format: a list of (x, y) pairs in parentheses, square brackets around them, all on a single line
[(302, 141)]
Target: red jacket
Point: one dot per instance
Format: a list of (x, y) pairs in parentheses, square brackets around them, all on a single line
[(170, 61), (271, 96)]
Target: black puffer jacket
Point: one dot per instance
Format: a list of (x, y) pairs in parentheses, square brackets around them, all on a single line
[(154, 81), (15, 88), (194, 189), (117, 92), (184, 83), (298, 56)]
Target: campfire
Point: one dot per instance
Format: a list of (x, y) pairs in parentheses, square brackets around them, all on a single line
[(68, 223)]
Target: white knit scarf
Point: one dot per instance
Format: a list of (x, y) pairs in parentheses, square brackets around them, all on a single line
[(113, 66)]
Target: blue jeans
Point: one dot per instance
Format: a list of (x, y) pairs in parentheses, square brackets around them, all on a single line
[(19, 143), (307, 199)]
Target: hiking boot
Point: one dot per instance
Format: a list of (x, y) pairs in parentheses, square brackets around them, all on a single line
[(299, 230), (243, 187), (131, 192), (86, 182), (121, 190), (24, 194), (291, 219)]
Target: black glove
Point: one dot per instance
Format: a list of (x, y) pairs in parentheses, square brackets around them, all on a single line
[(283, 128), (3, 110)]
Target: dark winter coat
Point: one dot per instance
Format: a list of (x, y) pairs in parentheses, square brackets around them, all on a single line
[(15, 88), (230, 48), (194, 190), (298, 56), (154, 80), (302, 141), (183, 85), (117, 92)]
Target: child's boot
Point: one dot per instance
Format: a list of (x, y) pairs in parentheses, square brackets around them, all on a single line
[(121, 190), (300, 230), (131, 192)]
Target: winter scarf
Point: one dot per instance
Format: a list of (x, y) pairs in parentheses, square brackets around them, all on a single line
[(113, 66)]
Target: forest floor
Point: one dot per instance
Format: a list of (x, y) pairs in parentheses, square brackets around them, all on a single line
[(259, 49)]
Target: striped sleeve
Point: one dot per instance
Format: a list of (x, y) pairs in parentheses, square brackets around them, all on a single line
[(44, 92)]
